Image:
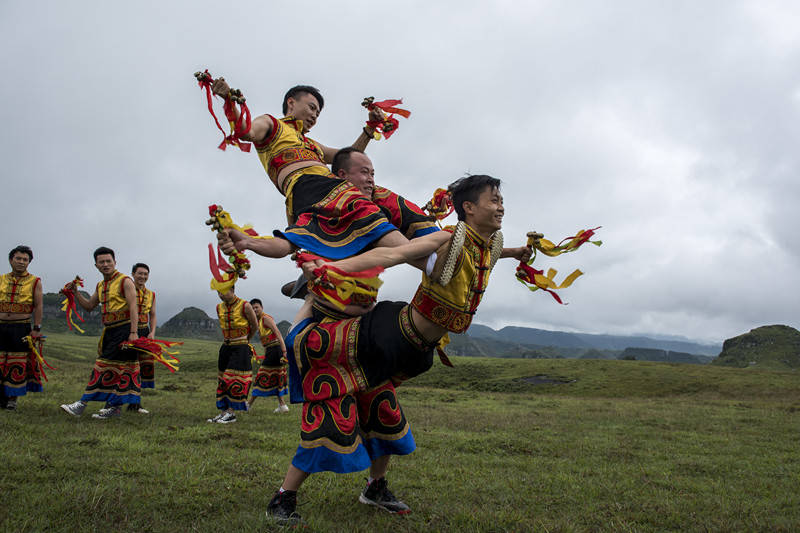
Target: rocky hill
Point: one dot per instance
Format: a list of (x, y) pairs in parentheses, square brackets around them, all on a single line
[(54, 319), (194, 323), (772, 347), (191, 323)]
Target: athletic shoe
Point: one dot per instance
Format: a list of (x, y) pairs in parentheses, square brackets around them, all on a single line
[(378, 494), (108, 412), (11, 404), (142, 411), (281, 409), (220, 415), (281, 508), (227, 418), (74, 409), (296, 289)]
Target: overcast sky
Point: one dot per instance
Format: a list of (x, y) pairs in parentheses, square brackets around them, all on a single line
[(674, 125)]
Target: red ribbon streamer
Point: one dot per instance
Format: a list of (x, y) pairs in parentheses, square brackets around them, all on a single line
[(154, 347), (390, 124), (72, 309), (239, 128), (526, 274)]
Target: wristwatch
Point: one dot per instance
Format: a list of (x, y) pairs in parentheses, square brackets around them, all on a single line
[(37, 327)]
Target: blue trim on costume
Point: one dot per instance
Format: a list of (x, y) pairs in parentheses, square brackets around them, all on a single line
[(295, 381), (225, 403), (425, 231), (21, 390), (322, 459), (111, 398), (313, 245), (271, 392), (377, 447), (148, 385)]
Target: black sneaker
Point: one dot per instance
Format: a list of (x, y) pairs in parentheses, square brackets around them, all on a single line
[(378, 494), (11, 404), (281, 508), (296, 289)]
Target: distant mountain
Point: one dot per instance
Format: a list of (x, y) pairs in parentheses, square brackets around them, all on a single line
[(772, 347), (480, 340), (580, 342), (666, 356), (194, 323), (191, 323)]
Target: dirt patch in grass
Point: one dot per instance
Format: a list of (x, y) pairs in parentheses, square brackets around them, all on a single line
[(544, 379)]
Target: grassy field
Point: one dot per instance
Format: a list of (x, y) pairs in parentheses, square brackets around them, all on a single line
[(621, 446)]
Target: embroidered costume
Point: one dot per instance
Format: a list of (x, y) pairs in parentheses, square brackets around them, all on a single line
[(326, 215), (147, 372), (345, 368), (115, 377), (19, 370), (450, 292), (404, 215), (271, 377), (235, 357)]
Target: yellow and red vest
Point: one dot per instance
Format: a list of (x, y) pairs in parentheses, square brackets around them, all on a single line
[(232, 319), (452, 306), (16, 294), (285, 145), (268, 337), (144, 299), (113, 304)]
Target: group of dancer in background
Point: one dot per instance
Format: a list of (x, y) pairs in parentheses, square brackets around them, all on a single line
[(120, 370)]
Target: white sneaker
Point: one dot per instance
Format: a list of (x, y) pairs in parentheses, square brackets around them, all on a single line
[(74, 409), (227, 418), (281, 409), (108, 412), (216, 418)]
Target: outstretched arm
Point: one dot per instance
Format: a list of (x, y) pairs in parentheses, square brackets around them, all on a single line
[(231, 240), (416, 250), (87, 303), (363, 139), (522, 253), (260, 126)]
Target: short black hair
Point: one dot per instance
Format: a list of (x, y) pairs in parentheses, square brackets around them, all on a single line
[(342, 158), (468, 189), (102, 251), (21, 249), (140, 265), (297, 89), (256, 301)]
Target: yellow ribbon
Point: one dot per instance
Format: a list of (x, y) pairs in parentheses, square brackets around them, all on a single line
[(32, 346), (345, 286)]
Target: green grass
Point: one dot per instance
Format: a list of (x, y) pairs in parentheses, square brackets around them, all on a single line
[(626, 446)]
